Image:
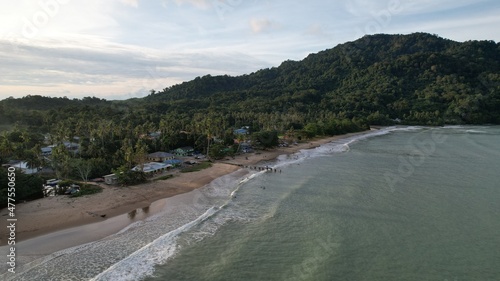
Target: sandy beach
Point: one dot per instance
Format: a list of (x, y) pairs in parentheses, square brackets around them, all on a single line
[(50, 214)]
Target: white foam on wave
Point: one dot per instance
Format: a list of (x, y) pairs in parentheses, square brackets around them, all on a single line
[(180, 215), (338, 146), (475, 132), (142, 262), (130, 226), (213, 198), (467, 129)]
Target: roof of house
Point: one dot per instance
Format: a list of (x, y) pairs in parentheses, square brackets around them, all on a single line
[(160, 154), (186, 148), (23, 165), (172, 161), (155, 134), (151, 167), (70, 144)]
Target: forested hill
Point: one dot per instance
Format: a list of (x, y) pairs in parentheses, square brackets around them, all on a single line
[(418, 78)]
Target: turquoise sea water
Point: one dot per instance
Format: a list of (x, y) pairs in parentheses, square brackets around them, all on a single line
[(397, 204)]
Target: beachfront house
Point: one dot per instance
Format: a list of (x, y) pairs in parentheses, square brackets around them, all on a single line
[(152, 168), (184, 151), (21, 166), (246, 147), (111, 179), (173, 162), (160, 156)]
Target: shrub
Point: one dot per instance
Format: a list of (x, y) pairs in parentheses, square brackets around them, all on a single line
[(197, 167), (87, 189), (166, 177)]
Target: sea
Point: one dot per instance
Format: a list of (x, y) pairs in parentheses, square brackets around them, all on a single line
[(398, 203)]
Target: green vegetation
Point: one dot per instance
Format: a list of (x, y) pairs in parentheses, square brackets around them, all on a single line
[(128, 177), (197, 167), (376, 80), (87, 189)]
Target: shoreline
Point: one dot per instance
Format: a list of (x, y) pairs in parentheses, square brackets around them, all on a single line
[(48, 215)]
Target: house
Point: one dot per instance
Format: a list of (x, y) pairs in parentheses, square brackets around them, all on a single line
[(22, 166), (71, 146), (242, 131), (173, 162), (111, 179), (152, 167), (184, 151), (246, 147), (151, 136), (46, 151), (155, 135), (160, 156)]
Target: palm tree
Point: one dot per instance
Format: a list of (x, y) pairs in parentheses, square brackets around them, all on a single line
[(141, 150), (240, 139), (6, 146), (26, 138), (34, 159)]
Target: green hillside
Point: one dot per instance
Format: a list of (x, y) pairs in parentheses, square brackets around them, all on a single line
[(418, 78)]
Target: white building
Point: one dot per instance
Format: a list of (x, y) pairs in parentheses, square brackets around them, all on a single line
[(152, 167)]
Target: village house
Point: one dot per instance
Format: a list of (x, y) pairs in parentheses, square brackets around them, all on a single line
[(111, 179), (242, 131), (173, 162), (152, 167), (160, 156), (184, 151), (21, 166), (46, 150)]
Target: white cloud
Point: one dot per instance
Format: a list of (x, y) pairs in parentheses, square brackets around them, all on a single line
[(202, 4), (122, 51), (36, 69), (131, 3), (262, 25)]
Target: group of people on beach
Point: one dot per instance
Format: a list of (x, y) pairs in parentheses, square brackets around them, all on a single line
[(266, 168)]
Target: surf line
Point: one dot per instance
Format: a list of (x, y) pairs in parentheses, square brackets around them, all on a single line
[(145, 250)]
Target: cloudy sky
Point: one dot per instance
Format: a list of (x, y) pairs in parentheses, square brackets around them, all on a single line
[(119, 49)]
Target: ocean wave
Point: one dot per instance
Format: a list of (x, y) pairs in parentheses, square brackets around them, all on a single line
[(142, 262), (342, 145), (475, 132)]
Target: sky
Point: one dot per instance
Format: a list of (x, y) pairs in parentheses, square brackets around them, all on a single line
[(121, 49)]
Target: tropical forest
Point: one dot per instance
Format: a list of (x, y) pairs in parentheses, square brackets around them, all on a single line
[(416, 79)]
